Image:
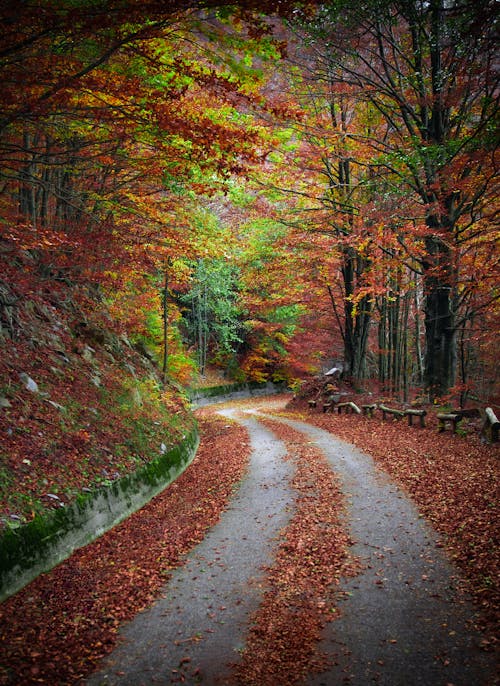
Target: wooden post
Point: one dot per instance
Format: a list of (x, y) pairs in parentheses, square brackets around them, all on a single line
[(398, 414), (443, 419), (492, 425), (416, 413)]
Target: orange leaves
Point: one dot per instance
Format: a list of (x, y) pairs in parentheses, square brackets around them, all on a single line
[(57, 628), (453, 481), (282, 643)]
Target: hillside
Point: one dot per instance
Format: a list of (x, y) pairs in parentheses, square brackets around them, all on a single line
[(80, 405)]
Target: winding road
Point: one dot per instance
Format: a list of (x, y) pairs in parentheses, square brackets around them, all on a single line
[(401, 622)]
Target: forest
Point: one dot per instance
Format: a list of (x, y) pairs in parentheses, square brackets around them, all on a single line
[(197, 193), (263, 187)]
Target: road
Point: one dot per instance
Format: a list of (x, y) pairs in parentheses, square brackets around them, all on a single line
[(402, 622)]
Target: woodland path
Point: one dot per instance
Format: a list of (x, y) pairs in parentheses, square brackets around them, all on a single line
[(402, 623)]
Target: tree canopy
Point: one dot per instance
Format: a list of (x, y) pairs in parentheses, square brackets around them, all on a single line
[(283, 183)]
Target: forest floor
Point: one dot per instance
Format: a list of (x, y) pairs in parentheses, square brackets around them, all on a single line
[(58, 628)]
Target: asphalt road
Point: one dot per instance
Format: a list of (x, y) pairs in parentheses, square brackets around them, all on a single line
[(403, 623)]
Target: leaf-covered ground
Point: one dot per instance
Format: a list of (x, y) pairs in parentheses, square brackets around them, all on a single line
[(80, 406), (453, 480), (302, 593), (56, 629)]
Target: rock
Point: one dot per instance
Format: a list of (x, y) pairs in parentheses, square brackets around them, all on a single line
[(88, 353), (136, 397), (92, 333), (143, 350), (130, 368), (124, 339), (56, 405), (4, 402), (28, 382)]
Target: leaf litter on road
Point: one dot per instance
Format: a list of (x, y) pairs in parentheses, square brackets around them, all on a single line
[(57, 628), (302, 585)]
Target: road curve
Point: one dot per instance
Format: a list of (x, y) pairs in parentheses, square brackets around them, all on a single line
[(196, 630), (403, 623)]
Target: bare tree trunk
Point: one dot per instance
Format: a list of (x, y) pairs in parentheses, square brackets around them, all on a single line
[(418, 335), (165, 323), (357, 318), (382, 343), (440, 331)]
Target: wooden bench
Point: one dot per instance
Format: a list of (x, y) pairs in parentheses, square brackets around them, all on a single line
[(397, 414), (455, 416), (327, 406), (491, 425), (369, 409), (348, 407), (421, 414), (450, 418)]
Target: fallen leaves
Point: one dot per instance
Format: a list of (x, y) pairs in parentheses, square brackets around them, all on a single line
[(454, 482), (302, 584), (56, 629)]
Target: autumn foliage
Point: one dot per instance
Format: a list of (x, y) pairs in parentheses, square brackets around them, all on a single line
[(58, 627), (262, 188)]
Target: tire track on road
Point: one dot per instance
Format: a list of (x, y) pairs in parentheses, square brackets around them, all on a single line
[(197, 629), (404, 621)]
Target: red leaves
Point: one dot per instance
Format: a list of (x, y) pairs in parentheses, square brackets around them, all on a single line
[(56, 629), (281, 646), (453, 480)]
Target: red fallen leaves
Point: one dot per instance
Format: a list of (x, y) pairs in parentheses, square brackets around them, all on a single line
[(57, 628), (454, 482), (281, 647)]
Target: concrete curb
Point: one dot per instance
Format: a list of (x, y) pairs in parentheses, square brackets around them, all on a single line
[(47, 540)]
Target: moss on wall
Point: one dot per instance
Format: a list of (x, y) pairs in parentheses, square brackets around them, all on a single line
[(38, 546)]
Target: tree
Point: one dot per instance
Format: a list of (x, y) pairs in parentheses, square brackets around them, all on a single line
[(211, 313), (428, 70)]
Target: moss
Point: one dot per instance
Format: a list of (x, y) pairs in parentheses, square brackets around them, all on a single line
[(52, 536)]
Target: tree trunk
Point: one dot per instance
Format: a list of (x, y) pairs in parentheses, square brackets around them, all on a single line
[(382, 343), (418, 333), (165, 325), (357, 317), (440, 332)]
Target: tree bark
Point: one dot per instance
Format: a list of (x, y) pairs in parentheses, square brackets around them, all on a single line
[(165, 324), (440, 330)]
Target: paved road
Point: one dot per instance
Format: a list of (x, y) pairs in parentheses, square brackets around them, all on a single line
[(402, 624), (200, 623)]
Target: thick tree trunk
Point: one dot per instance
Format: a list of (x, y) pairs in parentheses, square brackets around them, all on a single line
[(440, 330)]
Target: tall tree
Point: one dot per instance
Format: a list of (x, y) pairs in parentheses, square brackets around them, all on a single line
[(428, 70)]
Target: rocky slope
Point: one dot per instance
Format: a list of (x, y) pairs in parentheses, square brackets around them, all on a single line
[(79, 404)]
